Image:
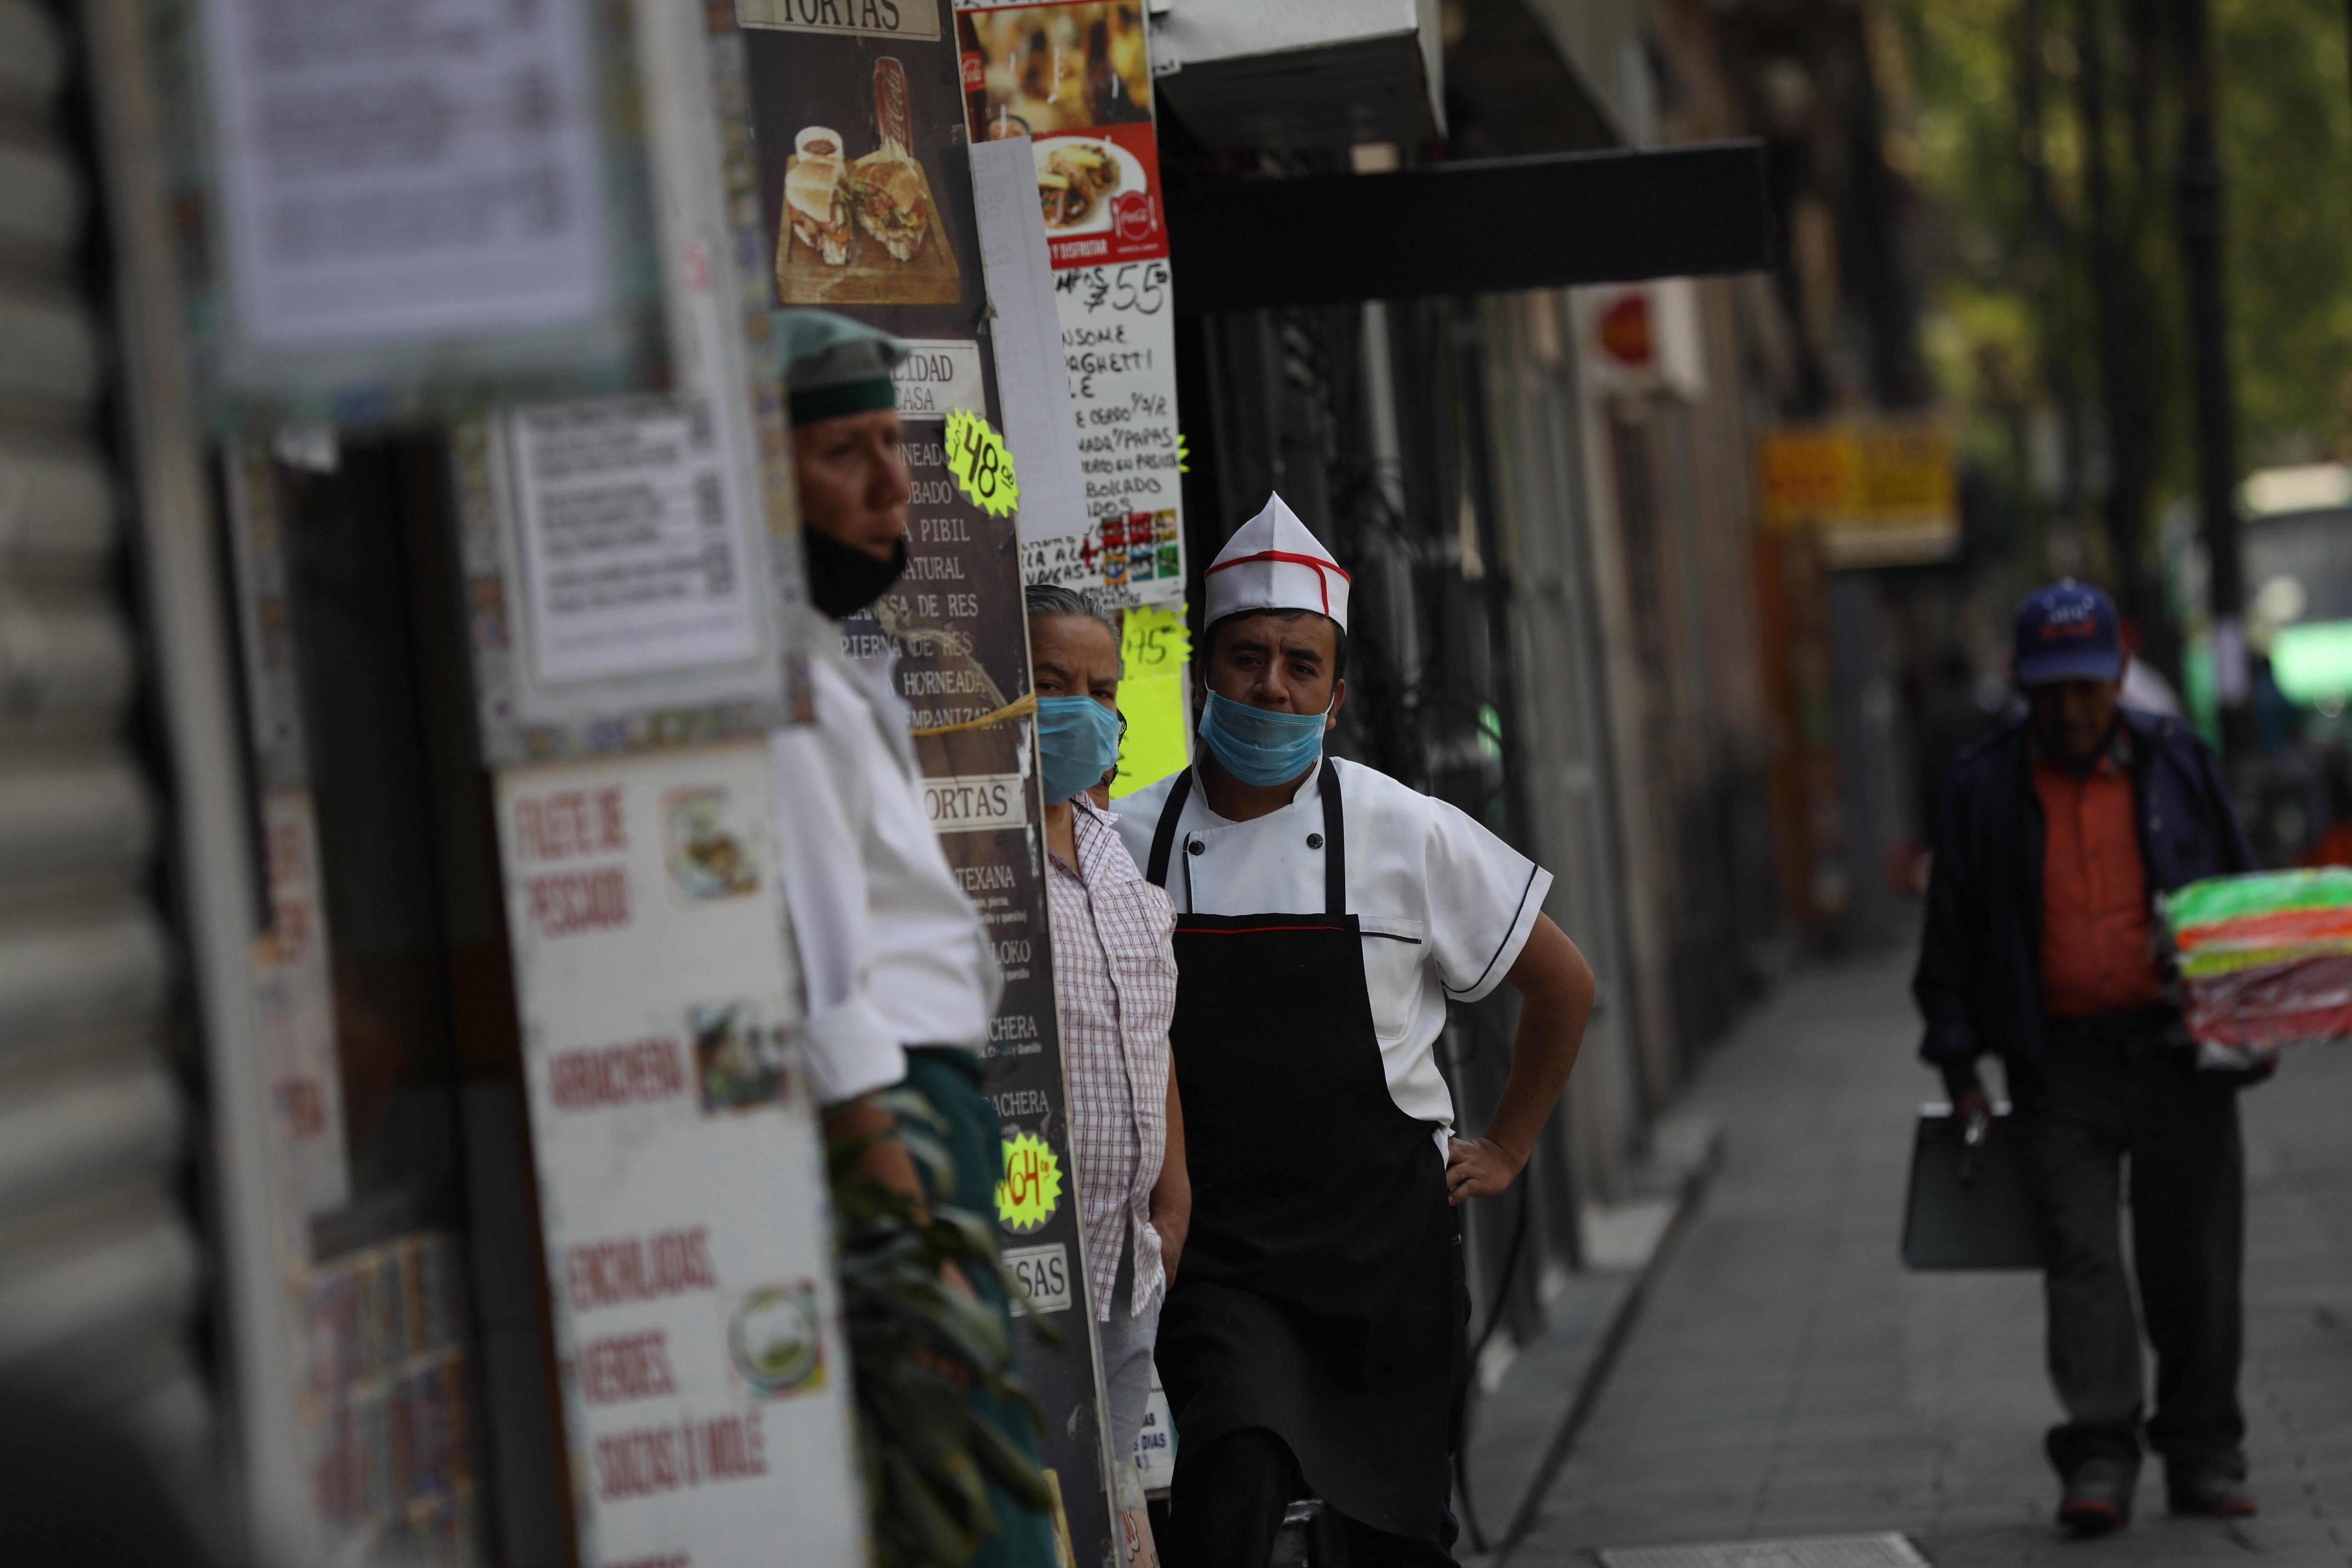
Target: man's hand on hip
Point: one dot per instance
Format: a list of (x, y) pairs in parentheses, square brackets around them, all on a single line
[(1479, 1168)]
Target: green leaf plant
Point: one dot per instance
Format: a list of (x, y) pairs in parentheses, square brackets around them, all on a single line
[(920, 1341)]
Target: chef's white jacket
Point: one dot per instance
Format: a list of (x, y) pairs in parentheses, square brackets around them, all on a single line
[(892, 953), (1445, 906)]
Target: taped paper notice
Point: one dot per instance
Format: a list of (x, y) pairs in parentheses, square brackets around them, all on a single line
[(1159, 740)]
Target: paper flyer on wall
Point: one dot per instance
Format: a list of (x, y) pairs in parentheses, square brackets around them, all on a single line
[(394, 213), (633, 566), (860, 162), (681, 1169), (1076, 81)]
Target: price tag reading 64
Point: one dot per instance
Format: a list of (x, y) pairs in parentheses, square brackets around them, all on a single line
[(981, 466)]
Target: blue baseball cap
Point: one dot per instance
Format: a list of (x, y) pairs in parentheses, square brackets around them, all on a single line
[(2068, 631)]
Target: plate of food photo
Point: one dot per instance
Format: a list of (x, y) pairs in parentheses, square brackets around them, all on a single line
[(1076, 178)]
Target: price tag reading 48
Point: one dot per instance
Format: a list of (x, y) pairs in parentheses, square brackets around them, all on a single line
[(981, 466)]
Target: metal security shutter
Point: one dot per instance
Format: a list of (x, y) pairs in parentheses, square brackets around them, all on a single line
[(97, 1268)]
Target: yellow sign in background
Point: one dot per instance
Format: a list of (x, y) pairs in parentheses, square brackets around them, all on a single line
[(1878, 494), (1155, 647)]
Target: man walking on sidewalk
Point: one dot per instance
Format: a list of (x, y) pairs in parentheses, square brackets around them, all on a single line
[(2058, 832)]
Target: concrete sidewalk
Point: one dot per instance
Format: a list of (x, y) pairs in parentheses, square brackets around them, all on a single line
[(1787, 1378)]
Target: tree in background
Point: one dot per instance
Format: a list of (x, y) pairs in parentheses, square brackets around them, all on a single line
[(2045, 134)]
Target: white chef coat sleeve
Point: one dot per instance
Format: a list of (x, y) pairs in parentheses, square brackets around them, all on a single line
[(819, 795), (1484, 897)]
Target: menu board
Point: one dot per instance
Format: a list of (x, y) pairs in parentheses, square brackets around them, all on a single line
[(859, 158), (1076, 81), (681, 1169)]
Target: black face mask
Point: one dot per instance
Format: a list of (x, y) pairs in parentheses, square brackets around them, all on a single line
[(842, 581)]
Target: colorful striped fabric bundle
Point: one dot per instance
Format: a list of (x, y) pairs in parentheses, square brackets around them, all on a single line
[(2266, 960)]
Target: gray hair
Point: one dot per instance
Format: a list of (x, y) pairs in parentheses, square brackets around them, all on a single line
[(1045, 599)]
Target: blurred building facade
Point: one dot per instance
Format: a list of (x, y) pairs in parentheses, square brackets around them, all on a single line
[(1571, 623)]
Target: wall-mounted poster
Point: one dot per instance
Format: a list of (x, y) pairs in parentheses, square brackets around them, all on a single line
[(1076, 81), (680, 1167), (395, 212), (876, 91)]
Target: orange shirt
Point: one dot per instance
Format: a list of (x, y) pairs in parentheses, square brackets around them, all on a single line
[(2096, 952)]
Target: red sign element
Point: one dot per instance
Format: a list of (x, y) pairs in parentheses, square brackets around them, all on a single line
[(640, 1268), (1626, 335), (629, 1366), (975, 71), (1125, 223), (571, 903), (1131, 217), (570, 823), (695, 1452), (606, 1076)]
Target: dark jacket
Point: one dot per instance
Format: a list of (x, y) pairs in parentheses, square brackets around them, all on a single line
[(1980, 976)]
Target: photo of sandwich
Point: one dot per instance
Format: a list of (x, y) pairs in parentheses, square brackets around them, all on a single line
[(847, 170), (816, 206), (892, 201)]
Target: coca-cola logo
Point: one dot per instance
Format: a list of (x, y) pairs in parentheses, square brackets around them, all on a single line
[(1131, 215), (890, 103), (975, 71)]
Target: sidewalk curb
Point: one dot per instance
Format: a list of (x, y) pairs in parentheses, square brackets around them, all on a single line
[(1691, 1185)]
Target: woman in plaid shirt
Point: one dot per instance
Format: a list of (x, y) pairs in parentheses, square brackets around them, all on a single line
[(1115, 980)]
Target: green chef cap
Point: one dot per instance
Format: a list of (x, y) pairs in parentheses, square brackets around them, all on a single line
[(833, 366)]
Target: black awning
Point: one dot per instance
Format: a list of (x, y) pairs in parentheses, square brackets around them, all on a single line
[(1474, 227)]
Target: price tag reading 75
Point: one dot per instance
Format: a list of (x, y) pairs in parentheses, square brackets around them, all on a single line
[(981, 466)]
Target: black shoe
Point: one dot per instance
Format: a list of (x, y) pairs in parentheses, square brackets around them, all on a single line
[(2099, 1497), (2214, 1490)]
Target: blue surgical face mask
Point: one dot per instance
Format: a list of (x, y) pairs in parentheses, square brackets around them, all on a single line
[(1077, 742), (1257, 745)]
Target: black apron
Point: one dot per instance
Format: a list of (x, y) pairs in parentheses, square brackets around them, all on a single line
[(1316, 1292)]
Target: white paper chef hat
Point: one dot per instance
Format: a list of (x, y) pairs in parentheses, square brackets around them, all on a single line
[(1272, 562)]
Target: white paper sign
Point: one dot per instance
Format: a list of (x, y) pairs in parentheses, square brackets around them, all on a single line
[(631, 519), (976, 803), (681, 1172), (1035, 389), (940, 375), (407, 168), (1118, 342)]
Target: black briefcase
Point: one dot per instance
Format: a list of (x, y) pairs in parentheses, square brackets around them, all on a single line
[(1972, 1200)]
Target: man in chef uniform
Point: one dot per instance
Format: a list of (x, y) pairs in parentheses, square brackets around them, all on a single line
[(901, 978), (1326, 915)]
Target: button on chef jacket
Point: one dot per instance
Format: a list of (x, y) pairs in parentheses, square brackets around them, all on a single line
[(892, 953), (1444, 905)]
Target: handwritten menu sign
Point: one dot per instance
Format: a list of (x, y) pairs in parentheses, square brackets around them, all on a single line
[(1076, 81), (859, 157), (681, 1171)]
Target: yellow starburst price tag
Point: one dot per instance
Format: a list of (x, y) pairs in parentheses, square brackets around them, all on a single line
[(981, 466), (1031, 1188)]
